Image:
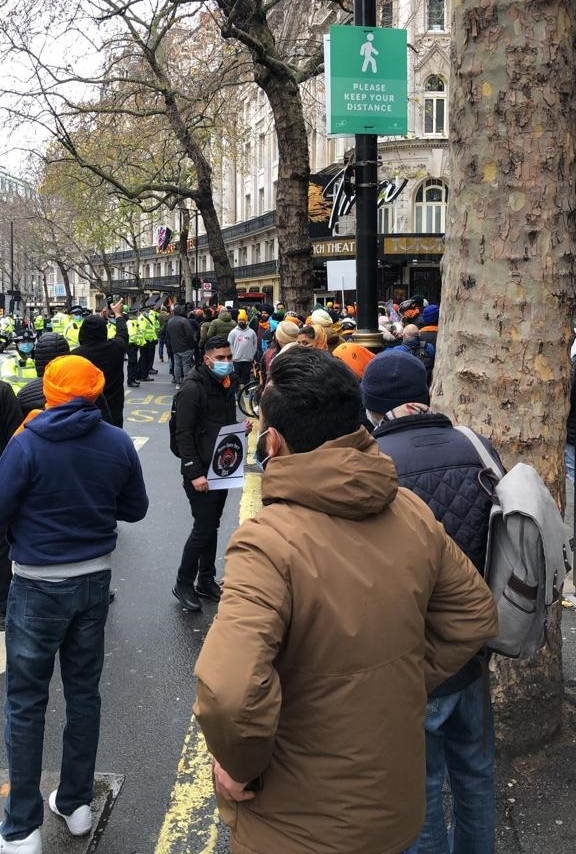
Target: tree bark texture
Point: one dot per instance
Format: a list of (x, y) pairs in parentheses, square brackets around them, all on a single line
[(294, 246), (508, 271), (246, 21)]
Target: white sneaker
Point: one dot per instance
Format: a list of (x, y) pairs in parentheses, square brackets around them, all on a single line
[(79, 823), (31, 845)]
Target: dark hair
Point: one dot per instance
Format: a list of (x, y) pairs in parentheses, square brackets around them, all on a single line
[(217, 342), (308, 331), (311, 398)]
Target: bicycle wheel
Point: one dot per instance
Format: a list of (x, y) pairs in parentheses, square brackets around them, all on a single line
[(244, 399)]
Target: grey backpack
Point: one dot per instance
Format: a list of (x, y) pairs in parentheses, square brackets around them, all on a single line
[(526, 555)]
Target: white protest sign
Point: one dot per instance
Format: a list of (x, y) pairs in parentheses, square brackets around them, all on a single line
[(227, 466)]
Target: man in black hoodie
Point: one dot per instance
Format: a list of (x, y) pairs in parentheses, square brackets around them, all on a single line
[(108, 355)]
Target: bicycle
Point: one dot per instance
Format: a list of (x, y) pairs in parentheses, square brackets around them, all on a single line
[(248, 399)]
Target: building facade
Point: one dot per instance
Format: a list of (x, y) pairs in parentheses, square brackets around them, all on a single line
[(413, 176)]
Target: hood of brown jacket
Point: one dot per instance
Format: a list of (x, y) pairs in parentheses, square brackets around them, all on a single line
[(347, 477)]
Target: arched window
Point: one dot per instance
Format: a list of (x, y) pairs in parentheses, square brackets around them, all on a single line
[(430, 207), (434, 106)]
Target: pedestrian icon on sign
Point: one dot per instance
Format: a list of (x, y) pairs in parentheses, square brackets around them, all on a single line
[(369, 52)]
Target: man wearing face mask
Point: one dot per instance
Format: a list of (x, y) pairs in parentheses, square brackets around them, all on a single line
[(19, 368), (206, 402)]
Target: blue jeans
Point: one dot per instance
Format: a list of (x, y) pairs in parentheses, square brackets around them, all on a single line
[(43, 618), (183, 363), (460, 743)]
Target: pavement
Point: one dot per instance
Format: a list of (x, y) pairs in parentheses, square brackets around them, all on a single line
[(536, 794), (55, 835)]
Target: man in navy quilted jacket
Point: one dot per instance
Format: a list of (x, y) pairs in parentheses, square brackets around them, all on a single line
[(440, 465)]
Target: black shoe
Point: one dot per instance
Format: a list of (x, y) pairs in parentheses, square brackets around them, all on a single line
[(133, 384), (146, 379), (152, 371), (187, 597), (209, 589)]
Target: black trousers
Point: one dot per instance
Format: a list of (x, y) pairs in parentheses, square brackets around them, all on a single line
[(243, 371), (146, 361), (132, 363), (199, 555)]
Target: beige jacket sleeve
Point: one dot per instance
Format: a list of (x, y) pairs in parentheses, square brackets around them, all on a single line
[(238, 692), (461, 615)]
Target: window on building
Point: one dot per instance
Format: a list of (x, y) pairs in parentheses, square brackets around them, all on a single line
[(243, 256), (274, 145), (274, 192), (256, 253), (387, 13), (247, 155), (261, 149), (269, 249), (436, 14), (434, 106), (386, 219), (261, 201), (247, 206), (430, 207)]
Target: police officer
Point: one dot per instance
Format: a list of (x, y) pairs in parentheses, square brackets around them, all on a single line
[(72, 329), (19, 368), (135, 341)]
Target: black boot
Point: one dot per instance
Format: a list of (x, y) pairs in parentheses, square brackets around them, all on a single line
[(187, 596), (206, 585)]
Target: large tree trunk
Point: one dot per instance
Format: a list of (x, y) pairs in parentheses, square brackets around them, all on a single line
[(246, 21), (67, 289), (294, 246), (508, 291)]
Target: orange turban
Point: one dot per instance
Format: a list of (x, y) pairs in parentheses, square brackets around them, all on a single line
[(355, 356), (71, 376)]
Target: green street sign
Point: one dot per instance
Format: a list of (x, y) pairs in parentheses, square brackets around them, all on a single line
[(366, 81)]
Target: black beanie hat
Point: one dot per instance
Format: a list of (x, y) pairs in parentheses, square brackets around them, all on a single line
[(93, 330), (48, 346), (393, 378)]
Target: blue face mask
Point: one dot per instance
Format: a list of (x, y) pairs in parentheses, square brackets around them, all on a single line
[(77, 318), (26, 347), (221, 369)]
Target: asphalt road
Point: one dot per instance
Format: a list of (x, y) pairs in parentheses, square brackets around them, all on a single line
[(165, 805)]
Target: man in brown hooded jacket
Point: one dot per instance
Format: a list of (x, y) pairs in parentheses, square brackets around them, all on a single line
[(344, 603)]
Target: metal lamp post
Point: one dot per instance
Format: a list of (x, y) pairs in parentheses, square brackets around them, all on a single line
[(366, 167)]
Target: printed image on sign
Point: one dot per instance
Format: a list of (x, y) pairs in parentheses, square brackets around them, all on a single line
[(227, 466), (367, 90)]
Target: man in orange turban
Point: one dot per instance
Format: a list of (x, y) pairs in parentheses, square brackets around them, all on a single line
[(67, 478)]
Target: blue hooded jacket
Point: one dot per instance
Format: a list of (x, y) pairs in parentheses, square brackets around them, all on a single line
[(66, 480)]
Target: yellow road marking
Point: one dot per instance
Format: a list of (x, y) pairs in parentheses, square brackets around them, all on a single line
[(191, 821)]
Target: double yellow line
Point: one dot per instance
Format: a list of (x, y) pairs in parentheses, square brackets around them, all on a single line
[(191, 821)]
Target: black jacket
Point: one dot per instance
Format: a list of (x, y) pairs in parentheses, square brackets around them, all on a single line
[(180, 334), (10, 413), (109, 357), (440, 465), (204, 406)]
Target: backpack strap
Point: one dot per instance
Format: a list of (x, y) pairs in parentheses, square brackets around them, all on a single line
[(486, 457)]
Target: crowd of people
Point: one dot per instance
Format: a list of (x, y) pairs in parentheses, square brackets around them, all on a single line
[(336, 694)]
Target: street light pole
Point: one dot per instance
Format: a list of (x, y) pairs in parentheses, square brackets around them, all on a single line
[(12, 256), (366, 215)]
